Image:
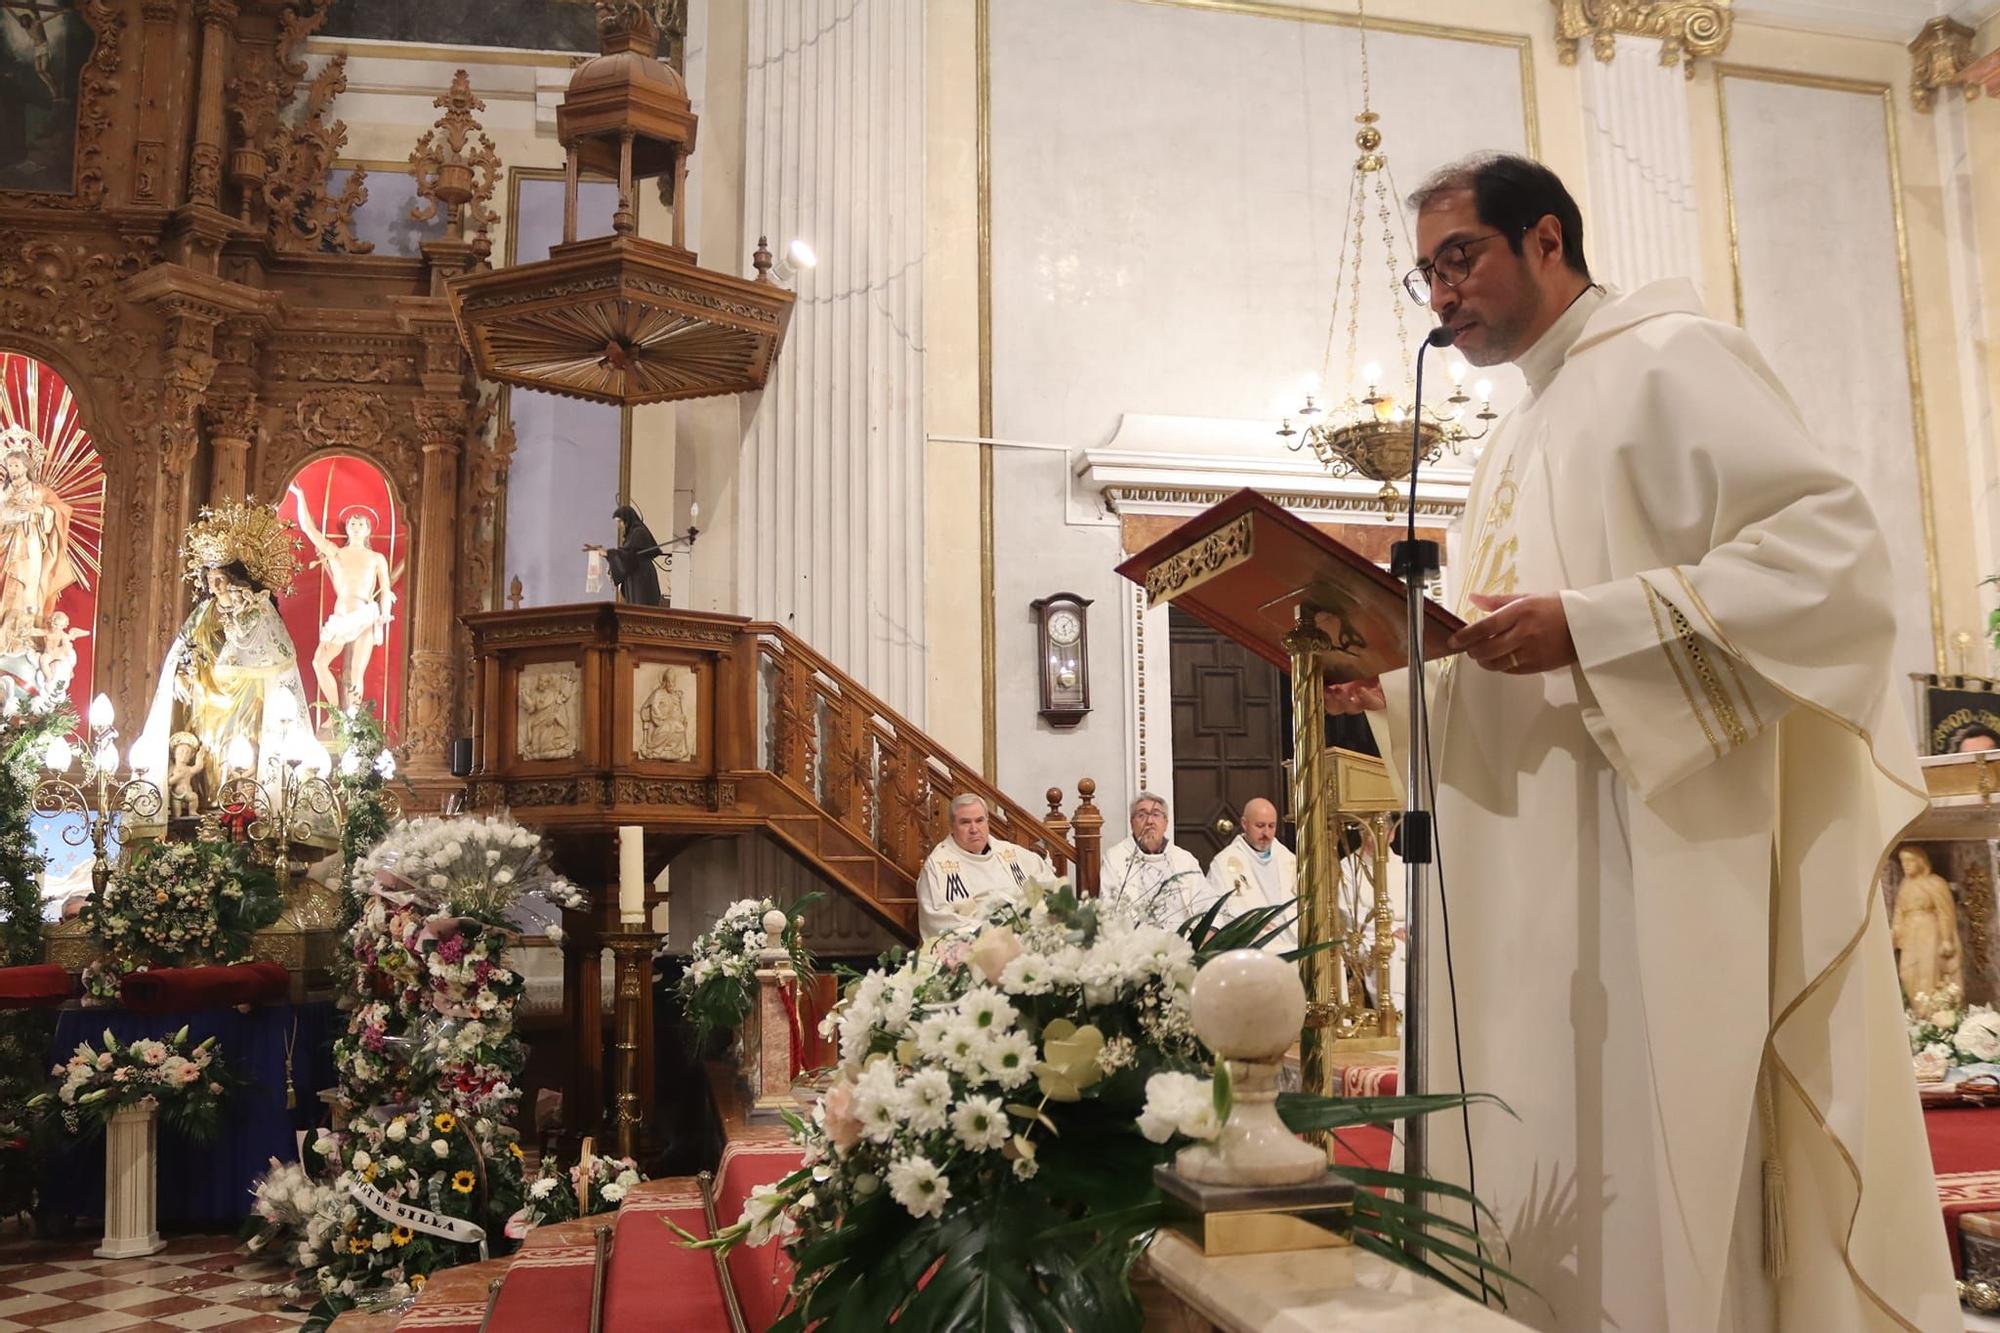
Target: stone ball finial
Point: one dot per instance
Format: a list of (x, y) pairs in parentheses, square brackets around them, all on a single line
[(1248, 1005), (774, 924)]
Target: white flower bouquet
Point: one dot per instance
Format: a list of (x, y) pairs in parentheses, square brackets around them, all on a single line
[(557, 1193), (985, 1150), (1946, 1034), (720, 983)]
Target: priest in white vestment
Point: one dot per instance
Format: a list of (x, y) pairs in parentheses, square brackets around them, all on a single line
[(1162, 882), (1669, 762), (969, 871), (1256, 870)]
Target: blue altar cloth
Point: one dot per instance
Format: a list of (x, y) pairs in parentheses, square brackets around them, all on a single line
[(207, 1183)]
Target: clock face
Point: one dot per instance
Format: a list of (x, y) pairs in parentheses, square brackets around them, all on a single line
[(1065, 627)]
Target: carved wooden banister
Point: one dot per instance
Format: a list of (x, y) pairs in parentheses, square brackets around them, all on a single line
[(870, 767)]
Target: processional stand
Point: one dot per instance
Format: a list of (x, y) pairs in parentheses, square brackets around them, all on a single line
[(1323, 612)]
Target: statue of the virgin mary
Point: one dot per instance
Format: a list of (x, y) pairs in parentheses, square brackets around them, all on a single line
[(233, 659)]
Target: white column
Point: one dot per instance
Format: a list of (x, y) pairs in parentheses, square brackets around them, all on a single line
[(1641, 223), (829, 482), (1972, 339), (131, 1185)]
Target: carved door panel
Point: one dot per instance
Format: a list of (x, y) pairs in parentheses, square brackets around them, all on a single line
[(1231, 720)]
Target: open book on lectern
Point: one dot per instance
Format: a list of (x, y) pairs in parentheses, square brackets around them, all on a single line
[(1244, 567)]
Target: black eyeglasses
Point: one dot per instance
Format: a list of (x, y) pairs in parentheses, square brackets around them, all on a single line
[(1450, 266)]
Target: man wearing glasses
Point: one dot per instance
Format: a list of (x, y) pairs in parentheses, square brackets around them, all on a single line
[(1668, 761)]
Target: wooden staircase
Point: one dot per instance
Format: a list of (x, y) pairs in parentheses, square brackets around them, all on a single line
[(781, 741)]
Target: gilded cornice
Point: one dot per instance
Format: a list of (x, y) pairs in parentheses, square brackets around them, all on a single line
[(1695, 29)]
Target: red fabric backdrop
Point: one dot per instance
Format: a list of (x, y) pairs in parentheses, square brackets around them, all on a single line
[(333, 485)]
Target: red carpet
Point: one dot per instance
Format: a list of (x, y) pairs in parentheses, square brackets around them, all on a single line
[(548, 1284), (655, 1285), (1965, 1154)]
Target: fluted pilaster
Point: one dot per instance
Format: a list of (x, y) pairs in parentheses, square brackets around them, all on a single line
[(830, 478), (1642, 224)]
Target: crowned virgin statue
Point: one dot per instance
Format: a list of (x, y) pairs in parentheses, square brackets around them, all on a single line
[(231, 679)]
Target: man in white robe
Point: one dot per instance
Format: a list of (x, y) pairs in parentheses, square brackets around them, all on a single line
[(1256, 870), (966, 873), (1161, 881), (1668, 765)]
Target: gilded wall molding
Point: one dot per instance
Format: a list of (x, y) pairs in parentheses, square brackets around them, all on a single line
[(1694, 29)]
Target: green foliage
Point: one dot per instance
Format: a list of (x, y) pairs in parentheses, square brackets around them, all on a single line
[(25, 1034)]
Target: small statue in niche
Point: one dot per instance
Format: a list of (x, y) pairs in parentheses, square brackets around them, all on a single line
[(363, 600), (664, 727), (1924, 928), (631, 561), (56, 663), (184, 769)]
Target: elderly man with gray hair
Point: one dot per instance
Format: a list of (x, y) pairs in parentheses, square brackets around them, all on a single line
[(969, 872), (1161, 882)]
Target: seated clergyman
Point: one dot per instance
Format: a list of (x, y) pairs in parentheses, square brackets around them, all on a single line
[(966, 872), (1162, 882), (1256, 870)]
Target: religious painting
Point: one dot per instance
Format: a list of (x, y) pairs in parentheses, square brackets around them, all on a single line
[(1939, 896), (51, 534), (548, 709), (663, 712), (346, 611), (44, 45), (539, 25), (1960, 713)]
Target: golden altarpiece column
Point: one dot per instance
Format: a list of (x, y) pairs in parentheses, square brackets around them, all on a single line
[(177, 245)]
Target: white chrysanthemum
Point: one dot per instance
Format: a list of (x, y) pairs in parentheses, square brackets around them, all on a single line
[(1008, 1059), (964, 1046), (986, 1009), (926, 1097), (877, 1104), (980, 1123), (917, 1184), (1027, 974)]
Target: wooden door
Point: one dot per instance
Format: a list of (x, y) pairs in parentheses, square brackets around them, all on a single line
[(1232, 715)]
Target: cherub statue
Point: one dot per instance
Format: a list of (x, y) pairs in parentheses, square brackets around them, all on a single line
[(56, 663), (183, 770)]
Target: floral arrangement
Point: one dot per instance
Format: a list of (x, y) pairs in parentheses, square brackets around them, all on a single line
[(1945, 1034), (557, 1194), (189, 1086), (429, 1066), (720, 984), (361, 777), (998, 1093), (27, 725), (172, 903)]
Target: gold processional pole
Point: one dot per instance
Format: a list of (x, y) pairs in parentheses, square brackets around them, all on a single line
[(1306, 643)]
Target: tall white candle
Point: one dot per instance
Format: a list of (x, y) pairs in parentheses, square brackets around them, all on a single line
[(631, 874)]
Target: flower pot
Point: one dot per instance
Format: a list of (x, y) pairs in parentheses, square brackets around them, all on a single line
[(131, 1194)]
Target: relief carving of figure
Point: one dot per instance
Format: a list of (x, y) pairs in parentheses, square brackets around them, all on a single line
[(363, 599), (546, 723), (1924, 927), (666, 731)]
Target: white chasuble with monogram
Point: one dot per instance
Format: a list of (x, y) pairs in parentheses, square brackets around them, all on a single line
[(956, 887), (1662, 861)]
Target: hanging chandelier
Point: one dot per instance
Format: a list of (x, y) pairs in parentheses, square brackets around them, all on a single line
[(1368, 432)]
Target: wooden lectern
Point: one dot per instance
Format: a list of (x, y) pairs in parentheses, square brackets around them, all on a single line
[(1322, 612)]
